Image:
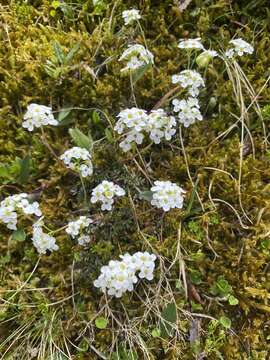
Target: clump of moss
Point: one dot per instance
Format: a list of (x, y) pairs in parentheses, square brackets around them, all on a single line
[(220, 234)]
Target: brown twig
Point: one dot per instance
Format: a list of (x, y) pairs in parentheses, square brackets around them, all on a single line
[(165, 97)]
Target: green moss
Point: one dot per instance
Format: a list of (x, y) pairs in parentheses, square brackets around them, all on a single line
[(214, 242)]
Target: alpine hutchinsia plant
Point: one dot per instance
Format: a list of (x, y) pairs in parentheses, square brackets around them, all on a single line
[(136, 124), (130, 16), (136, 56), (119, 277), (167, 195), (78, 229), (15, 205), (37, 116), (43, 242), (105, 193), (78, 159)]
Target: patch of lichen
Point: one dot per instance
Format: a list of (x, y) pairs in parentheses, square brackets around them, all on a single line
[(214, 241)]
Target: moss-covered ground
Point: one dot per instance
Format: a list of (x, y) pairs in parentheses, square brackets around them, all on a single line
[(213, 255)]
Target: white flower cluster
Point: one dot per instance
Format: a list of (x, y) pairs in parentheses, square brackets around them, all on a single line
[(41, 240), (136, 123), (167, 195), (17, 203), (105, 193), (78, 159), (189, 79), (240, 47), (188, 111), (37, 116), (75, 228), (160, 125), (136, 56), (131, 15), (120, 276)]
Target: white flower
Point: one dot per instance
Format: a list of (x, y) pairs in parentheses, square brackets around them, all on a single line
[(134, 63), (125, 145), (37, 116), (132, 118), (229, 53), (75, 228), (8, 216), (189, 79), (190, 44), (105, 193), (145, 264), (136, 56), (130, 15), (119, 277), (78, 159), (135, 124), (240, 47), (30, 209), (210, 53), (167, 195), (188, 111), (160, 125), (13, 205), (133, 121), (84, 240), (43, 241)]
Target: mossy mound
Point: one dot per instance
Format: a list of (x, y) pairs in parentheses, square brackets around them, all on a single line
[(214, 254)]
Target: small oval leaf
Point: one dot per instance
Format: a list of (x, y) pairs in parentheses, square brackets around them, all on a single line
[(80, 139), (101, 322), (225, 321)]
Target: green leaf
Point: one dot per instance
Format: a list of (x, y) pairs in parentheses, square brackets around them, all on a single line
[(265, 243), (196, 307), (196, 277), (101, 322), (146, 195), (95, 117), (18, 235), (140, 72), (52, 13), (67, 10), (192, 198), (80, 139), (63, 114), (5, 259), (169, 316), (156, 332), (225, 321), (83, 345), (71, 53), (221, 287), (123, 354), (109, 135), (4, 171), (55, 4), (24, 171), (59, 53), (232, 300)]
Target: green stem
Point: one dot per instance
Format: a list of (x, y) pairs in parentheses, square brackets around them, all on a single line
[(84, 191), (132, 89)]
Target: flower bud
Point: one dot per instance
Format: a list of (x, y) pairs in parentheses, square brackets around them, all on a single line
[(212, 103), (203, 60)]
